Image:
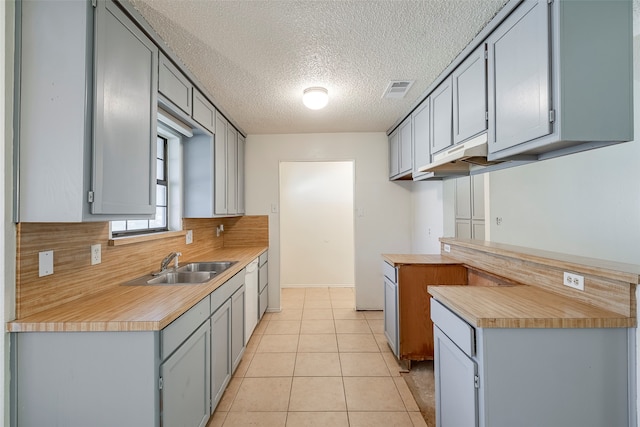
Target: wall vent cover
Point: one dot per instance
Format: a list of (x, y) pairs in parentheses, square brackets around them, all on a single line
[(397, 89)]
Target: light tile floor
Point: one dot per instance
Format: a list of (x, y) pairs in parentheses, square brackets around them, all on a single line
[(318, 362)]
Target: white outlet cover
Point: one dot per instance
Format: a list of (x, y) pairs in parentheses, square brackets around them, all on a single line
[(447, 248), (96, 254), (573, 280), (189, 237), (45, 261)]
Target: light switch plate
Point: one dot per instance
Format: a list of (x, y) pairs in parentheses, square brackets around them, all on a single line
[(45, 261), (189, 237)]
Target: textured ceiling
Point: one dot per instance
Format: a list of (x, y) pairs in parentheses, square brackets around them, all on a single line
[(256, 57)]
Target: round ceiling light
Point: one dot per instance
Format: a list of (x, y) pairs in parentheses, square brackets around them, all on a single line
[(315, 98)]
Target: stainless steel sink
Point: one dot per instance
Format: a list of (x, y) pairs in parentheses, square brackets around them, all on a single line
[(188, 274), (215, 267), (179, 277)]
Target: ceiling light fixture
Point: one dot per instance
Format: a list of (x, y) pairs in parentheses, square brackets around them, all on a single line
[(315, 98)]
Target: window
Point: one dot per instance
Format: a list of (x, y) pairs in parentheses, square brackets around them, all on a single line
[(160, 223)]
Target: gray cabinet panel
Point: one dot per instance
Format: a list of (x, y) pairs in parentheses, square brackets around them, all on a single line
[(185, 393), (175, 333), (463, 229), (232, 170), (240, 175), (203, 111), (394, 153), (237, 327), (220, 352), (441, 116), (174, 85), (391, 314), (477, 197), (405, 146), (199, 177), (263, 301), (124, 140), (456, 394), (519, 77), (470, 96), (421, 137), (463, 197), (221, 165)]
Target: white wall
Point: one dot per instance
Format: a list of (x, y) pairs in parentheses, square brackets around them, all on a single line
[(316, 232), (383, 222), (427, 223)]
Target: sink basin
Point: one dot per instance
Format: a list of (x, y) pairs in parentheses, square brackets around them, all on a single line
[(179, 277), (209, 266)]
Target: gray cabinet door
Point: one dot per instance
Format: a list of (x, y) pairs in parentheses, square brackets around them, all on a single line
[(394, 148), (477, 197), (441, 116), (220, 352), (186, 392), (463, 197), (463, 229), (203, 111), (240, 174), (519, 77), (125, 114), (237, 327), (421, 138), (405, 146), (391, 314), (232, 170), (470, 96), (263, 301), (221, 165), (456, 394), (175, 85)]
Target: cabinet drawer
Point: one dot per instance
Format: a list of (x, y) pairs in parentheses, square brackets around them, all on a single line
[(224, 292), (263, 277), (459, 331), (390, 272), (263, 258), (180, 329)]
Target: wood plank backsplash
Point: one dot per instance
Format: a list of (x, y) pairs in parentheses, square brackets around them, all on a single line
[(74, 276)]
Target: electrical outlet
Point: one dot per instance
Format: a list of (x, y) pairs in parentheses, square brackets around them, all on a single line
[(574, 281), (45, 263), (447, 248), (96, 254), (189, 237)]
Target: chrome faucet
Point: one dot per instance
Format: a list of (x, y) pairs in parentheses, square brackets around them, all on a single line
[(165, 262)]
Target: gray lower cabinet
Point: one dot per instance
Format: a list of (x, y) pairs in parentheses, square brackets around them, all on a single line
[(237, 327), (185, 391), (263, 284), (220, 352), (77, 150), (172, 377), (529, 377), (391, 306), (560, 75)]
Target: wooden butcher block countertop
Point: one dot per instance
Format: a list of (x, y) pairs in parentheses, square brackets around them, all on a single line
[(406, 259), (524, 306), (134, 308)]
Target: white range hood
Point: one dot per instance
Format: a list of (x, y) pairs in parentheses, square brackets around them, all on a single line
[(461, 158)]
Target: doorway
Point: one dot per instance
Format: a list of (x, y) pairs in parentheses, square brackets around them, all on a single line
[(317, 224)]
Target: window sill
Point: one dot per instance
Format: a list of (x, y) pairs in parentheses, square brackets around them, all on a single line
[(129, 240)]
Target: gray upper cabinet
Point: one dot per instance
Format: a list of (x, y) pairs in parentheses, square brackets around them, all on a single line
[(441, 116), (124, 145), (560, 78), (519, 77), (232, 170), (78, 153), (221, 165), (240, 174), (174, 85), (421, 138), (400, 158), (470, 97), (203, 111)]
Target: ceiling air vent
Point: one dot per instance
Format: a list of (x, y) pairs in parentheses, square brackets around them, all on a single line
[(397, 89)]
